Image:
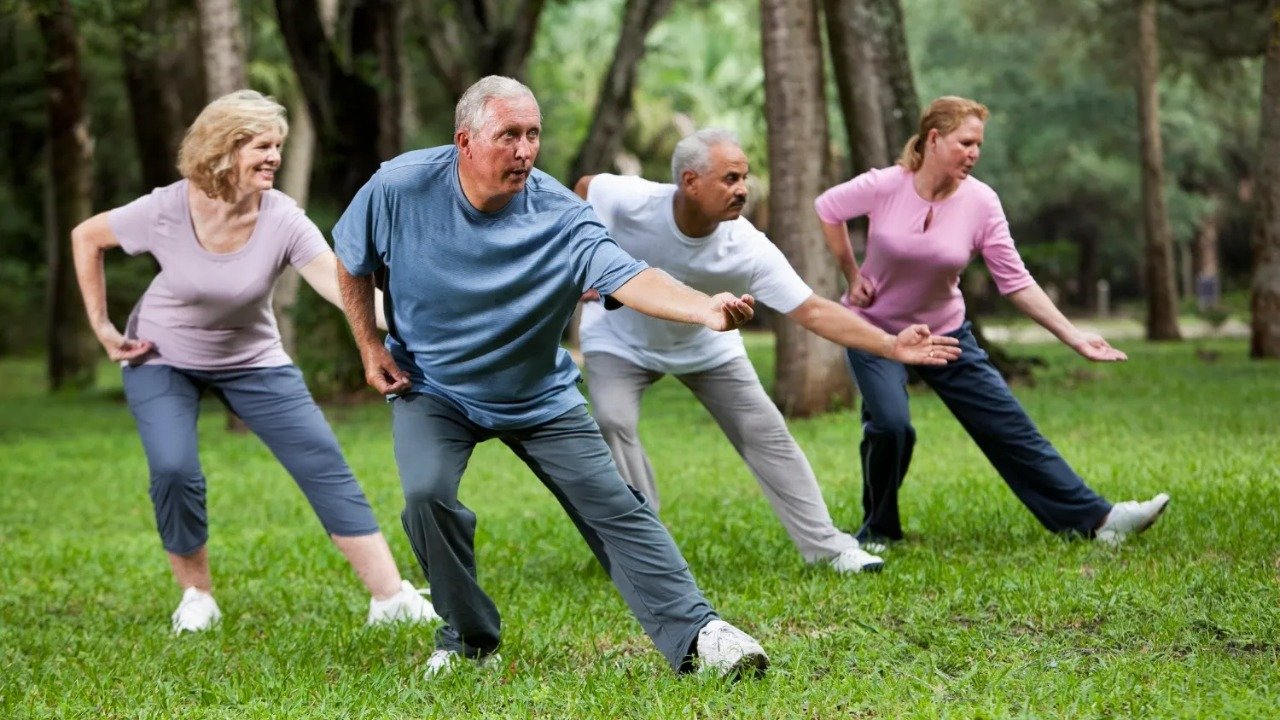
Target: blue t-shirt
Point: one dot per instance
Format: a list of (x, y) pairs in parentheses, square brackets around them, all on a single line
[(479, 301)]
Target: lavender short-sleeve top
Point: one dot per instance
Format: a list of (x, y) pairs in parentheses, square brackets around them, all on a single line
[(206, 310)]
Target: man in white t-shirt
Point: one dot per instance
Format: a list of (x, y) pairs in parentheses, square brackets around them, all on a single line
[(694, 231)]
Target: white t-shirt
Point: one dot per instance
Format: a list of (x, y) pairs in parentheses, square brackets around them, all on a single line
[(735, 258)]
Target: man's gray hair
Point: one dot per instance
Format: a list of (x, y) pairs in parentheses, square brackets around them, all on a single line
[(694, 152), (471, 114)]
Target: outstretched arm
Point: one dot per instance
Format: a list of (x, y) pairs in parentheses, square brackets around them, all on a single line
[(90, 241), (655, 293), (322, 275), (1033, 301), (380, 369), (913, 346)]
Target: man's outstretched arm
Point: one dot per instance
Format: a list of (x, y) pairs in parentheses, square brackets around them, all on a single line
[(913, 346), (655, 293)]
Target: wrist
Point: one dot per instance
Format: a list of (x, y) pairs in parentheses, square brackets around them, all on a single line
[(887, 343)]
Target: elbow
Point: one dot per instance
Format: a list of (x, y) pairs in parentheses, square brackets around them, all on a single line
[(582, 185)]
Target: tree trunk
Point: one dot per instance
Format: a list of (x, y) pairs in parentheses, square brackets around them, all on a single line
[(222, 41), (350, 77), (72, 350), (1162, 302), (467, 40), (150, 63), (352, 140), (811, 375), (613, 108), (850, 26), (873, 75), (295, 181), (1264, 337)]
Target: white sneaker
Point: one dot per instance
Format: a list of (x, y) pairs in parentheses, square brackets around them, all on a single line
[(1130, 518), (856, 560), (726, 650), (444, 662), (198, 611), (408, 605)]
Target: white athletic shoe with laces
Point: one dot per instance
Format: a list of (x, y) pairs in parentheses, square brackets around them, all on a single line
[(727, 651), (856, 560), (197, 612), (408, 605), (1130, 518), (444, 662)]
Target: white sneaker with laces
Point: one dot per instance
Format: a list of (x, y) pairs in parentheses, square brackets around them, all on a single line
[(727, 651), (856, 560), (197, 612), (408, 605), (1130, 518), (444, 662)]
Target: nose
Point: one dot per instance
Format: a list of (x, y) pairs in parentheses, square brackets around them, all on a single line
[(525, 148), (273, 155)]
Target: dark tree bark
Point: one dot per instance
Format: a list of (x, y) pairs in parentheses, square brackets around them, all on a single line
[(874, 78), (153, 70), (1264, 337), (613, 108), (811, 375), (467, 40), (71, 345), (353, 140), (351, 78), (1162, 298), (222, 42)]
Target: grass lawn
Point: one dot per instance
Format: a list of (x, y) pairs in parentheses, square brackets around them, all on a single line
[(980, 614)]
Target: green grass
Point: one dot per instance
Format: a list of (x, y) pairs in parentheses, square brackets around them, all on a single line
[(981, 614)]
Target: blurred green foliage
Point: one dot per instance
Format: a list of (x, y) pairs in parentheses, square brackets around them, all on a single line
[(1061, 145)]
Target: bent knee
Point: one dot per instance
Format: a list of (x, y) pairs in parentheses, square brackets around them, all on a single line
[(175, 475), (616, 424), (430, 490), (896, 426)]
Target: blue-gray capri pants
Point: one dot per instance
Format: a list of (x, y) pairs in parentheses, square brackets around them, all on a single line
[(275, 404)]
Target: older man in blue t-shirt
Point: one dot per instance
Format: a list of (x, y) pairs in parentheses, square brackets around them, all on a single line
[(485, 259)]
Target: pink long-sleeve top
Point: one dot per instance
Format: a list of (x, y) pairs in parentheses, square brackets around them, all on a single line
[(916, 271)]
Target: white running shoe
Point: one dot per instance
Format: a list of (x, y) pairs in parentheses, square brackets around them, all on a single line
[(444, 662), (1130, 518), (856, 560), (727, 651), (408, 605), (197, 612)]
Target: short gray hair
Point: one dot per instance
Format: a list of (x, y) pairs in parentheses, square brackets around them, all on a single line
[(471, 112), (694, 152)]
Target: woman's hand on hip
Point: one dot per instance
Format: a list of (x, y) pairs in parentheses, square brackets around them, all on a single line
[(120, 348), (1093, 347), (917, 346), (861, 292)]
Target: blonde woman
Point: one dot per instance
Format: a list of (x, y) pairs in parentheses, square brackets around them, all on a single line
[(928, 218), (222, 236)]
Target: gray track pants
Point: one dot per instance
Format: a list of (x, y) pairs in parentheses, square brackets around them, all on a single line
[(739, 404), (433, 443)]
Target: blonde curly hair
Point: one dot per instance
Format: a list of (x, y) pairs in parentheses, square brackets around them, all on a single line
[(207, 157)]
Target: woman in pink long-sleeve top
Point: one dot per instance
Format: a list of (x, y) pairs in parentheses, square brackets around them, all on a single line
[(927, 219)]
